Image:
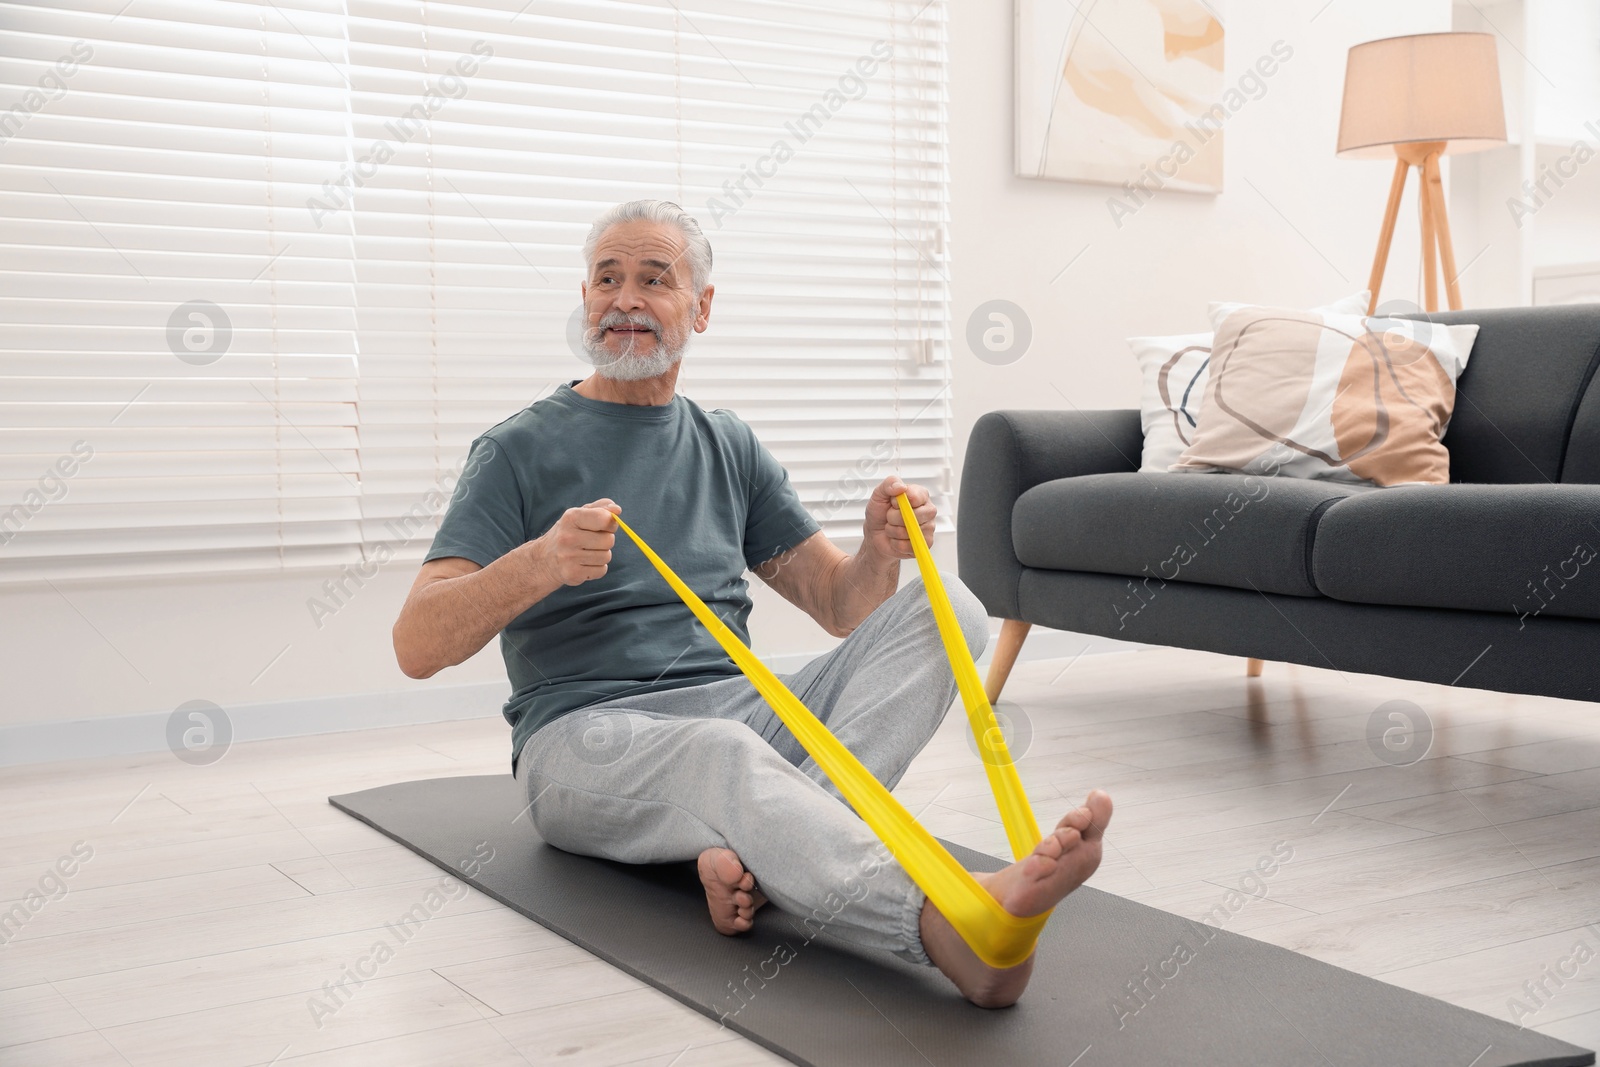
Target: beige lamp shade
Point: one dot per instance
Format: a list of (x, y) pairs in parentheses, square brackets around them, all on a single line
[(1425, 87)]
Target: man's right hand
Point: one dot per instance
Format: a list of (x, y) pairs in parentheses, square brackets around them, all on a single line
[(439, 628), (577, 548)]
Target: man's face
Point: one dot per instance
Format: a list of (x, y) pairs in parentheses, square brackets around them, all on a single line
[(640, 301)]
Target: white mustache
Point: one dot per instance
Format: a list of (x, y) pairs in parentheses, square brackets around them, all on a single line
[(615, 318), (632, 363)]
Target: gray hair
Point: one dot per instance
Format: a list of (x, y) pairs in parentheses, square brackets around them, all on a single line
[(666, 212)]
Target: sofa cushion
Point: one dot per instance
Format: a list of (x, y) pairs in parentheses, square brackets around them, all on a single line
[(1245, 531), (1346, 398), (1521, 549), (1518, 399), (1174, 370)]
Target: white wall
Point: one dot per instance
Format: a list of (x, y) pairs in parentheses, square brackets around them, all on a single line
[(85, 650), (1294, 225), (89, 650)]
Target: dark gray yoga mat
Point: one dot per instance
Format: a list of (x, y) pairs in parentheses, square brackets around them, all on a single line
[(1220, 999)]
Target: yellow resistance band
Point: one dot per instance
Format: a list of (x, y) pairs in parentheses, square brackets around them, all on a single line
[(997, 937)]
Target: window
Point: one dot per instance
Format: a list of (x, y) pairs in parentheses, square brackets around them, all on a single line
[(171, 318), (381, 205)]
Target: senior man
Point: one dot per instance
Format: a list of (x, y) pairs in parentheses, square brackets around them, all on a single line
[(636, 737)]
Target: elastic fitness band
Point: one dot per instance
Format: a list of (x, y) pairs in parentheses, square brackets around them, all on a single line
[(997, 937)]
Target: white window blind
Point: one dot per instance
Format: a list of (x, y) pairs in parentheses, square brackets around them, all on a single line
[(387, 199), (828, 330), (165, 168)]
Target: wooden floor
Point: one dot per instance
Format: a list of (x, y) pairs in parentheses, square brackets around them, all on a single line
[(219, 900)]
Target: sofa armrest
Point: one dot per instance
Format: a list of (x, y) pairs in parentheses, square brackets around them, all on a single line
[(1009, 453)]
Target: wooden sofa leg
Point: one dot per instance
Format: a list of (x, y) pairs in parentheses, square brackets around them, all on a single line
[(1252, 668), (1012, 633)]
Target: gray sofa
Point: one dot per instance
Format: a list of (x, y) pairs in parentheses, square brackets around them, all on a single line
[(1492, 581)]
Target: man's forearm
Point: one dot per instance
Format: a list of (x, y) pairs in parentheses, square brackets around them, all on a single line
[(860, 583), (447, 621)]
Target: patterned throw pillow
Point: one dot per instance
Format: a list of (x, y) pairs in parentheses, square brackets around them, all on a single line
[(1352, 399), (1174, 371)]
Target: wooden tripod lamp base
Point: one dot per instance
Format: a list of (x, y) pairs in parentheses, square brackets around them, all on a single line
[(1437, 248)]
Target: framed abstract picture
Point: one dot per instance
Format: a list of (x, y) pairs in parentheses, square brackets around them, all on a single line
[(1120, 91)]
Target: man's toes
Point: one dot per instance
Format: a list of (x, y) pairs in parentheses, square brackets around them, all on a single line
[(1064, 841), (1077, 819), (730, 890), (1099, 805), (1089, 819)]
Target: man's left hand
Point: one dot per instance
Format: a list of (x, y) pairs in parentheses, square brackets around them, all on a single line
[(884, 531)]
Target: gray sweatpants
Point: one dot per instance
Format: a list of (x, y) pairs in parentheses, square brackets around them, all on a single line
[(662, 776)]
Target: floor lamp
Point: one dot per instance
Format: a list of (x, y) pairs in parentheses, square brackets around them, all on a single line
[(1416, 98)]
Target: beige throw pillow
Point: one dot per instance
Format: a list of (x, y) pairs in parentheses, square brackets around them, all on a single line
[(1351, 399), (1173, 370)]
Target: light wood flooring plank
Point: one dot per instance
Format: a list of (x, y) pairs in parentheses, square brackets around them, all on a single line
[(217, 981), (1426, 927), (256, 1031), (86, 1049)]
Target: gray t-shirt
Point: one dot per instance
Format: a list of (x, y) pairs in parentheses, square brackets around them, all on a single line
[(695, 484)]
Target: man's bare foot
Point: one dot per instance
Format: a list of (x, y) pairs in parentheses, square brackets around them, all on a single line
[(731, 891), (1061, 862)]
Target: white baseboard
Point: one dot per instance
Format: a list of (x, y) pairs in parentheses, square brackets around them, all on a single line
[(124, 735)]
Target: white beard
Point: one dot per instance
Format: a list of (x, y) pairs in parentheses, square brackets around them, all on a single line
[(629, 366)]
